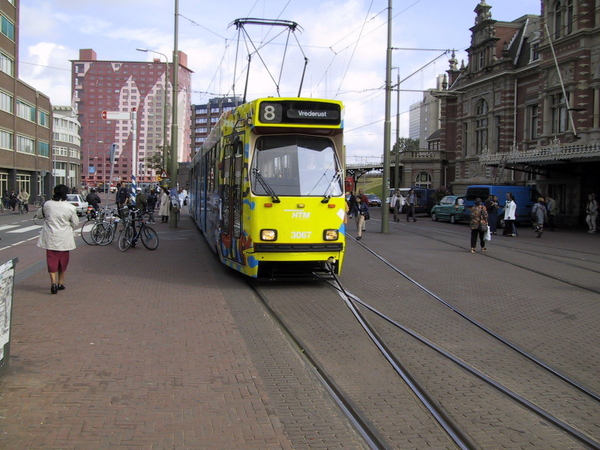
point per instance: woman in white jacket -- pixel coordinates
(57, 237)
(510, 215)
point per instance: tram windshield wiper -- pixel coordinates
(266, 186)
(335, 181)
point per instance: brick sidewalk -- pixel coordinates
(139, 352)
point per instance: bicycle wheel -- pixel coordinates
(86, 232)
(125, 238)
(101, 233)
(149, 237)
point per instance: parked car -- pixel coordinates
(450, 207)
(373, 200)
(80, 204)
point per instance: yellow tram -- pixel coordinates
(266, 189)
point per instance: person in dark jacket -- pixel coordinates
(152, 200)
(93, 199)
(478, 225)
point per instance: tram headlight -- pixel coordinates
(268, 235)
(331, 235)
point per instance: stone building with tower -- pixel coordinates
(525, 108)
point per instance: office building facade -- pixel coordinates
(25, 117)
(206, 115)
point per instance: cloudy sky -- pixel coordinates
(344, 42)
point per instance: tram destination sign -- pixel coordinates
(299, 112)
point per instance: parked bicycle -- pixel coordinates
(102, 229)
(130, 234)
(40, 200)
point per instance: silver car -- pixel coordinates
(80, 204)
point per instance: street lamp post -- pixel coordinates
(165, 103)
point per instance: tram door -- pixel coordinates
(231, 225)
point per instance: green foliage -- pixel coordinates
(155, 161)
(406, 145)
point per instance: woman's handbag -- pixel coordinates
(367, 216)
(483, 227)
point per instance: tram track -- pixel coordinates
(454, 431)
(461, 434)
(534, 254)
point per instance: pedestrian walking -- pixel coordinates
(510, 215)
(539, 216)
(552, 209)
(411, 200)
(57, 236)
(492, 206)
(396, 203)
(591, 211)
(152, 200)
(141, 200)
(478, 225)
(361, 214)
(163, 210)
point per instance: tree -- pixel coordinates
(406, 145)
(155, 161)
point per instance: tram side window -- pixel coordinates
(296, 165)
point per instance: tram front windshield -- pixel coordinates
(296, 166)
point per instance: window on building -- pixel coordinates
(6, 140)
(7, 64)
(25, 111)
(25, 145)
(533, 122)
(559, 113)
(423, 180)
(535, 51)
(8, 28)
(557, 20)
(6, 102)
(569, 17)
(23, 183)
(43, 149)
(481, 126)
(43, 118)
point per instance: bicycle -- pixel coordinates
(103, 233)
(129, 235)
(92, 231)
(39, 201)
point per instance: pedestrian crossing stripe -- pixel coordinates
(25, 230)
(7, 227)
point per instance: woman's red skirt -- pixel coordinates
(57, 260)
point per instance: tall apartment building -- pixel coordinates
(414, 121)
(206, 115)
(66, 147)
(122, 102)
(25, 117)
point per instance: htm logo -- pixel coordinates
(300, 215)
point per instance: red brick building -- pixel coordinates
(138, 90)
(525, 107)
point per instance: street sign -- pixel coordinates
(116, 115)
